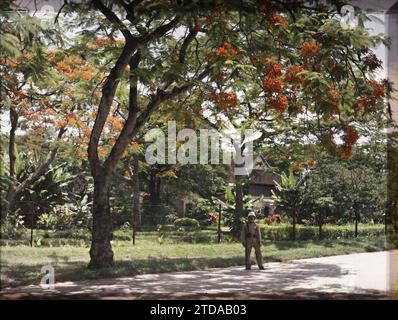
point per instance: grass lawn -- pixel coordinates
(21, 265)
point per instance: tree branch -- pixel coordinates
(126, 133)
(187, 41)
(42, 167)
(113, 18)
(108, 94)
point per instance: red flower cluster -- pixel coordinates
(330, 63)
(299, 166)
(272, 18)
(275, 218)
(311, 163)
(273, 85)
(225, 100)
(277, 19)
(329, 219)
(226, 51)
(372, 62)
(309, 50)
(197, 26)
(334, 98)
(346, 152)
(279, 103)
(368, 100)
(377, 88)
(350, 137)
(292, 77)
(212, 217)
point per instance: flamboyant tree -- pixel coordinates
(43, 90)
(264, 61)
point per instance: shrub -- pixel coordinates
(274, 219)
(12, 227)
(197, 238)
(153, 215)
(201, 210)
(284, 231)
(72, 233)
(212, 217)
(60, 219)
(186, 222)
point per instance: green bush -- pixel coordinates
(153, 215)
(72, 233)
(198, 238)
(12, 227)
(166, 227)
(123, 234)
(284, 231)
(186, 222)
(199, 210)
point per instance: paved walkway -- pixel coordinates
(363, 275)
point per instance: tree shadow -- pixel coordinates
(298, 280)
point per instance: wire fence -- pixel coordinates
(31, 211)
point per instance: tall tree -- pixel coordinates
(268, 59)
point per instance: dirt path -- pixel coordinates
(362, 275)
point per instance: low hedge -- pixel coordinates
(187, 222)
(285, 231)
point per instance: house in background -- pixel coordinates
(261, 183)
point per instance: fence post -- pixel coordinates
(219, 224)
(133, 233)
(31, 229)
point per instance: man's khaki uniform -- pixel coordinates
(251, 237)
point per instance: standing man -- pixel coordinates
(251, 237)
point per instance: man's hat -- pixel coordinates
(251, 214)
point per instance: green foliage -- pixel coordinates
(284, 232)
(81, 207)
(229, 214)
(199, 209)
(198, 238)
(392, 200)
(60, 218)
(187, 222)
(157, 214)
(342, 189)
(12, 227)
(287, 194)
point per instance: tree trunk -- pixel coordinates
(239, 199)
(136, 194)
(356, 224)
(320, 225)
(385, 223)
(219, 224)
(294, 225)
(154, 189)
(157, 192)
(101, 253)
(11, 195)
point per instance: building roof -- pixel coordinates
(393, 9)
